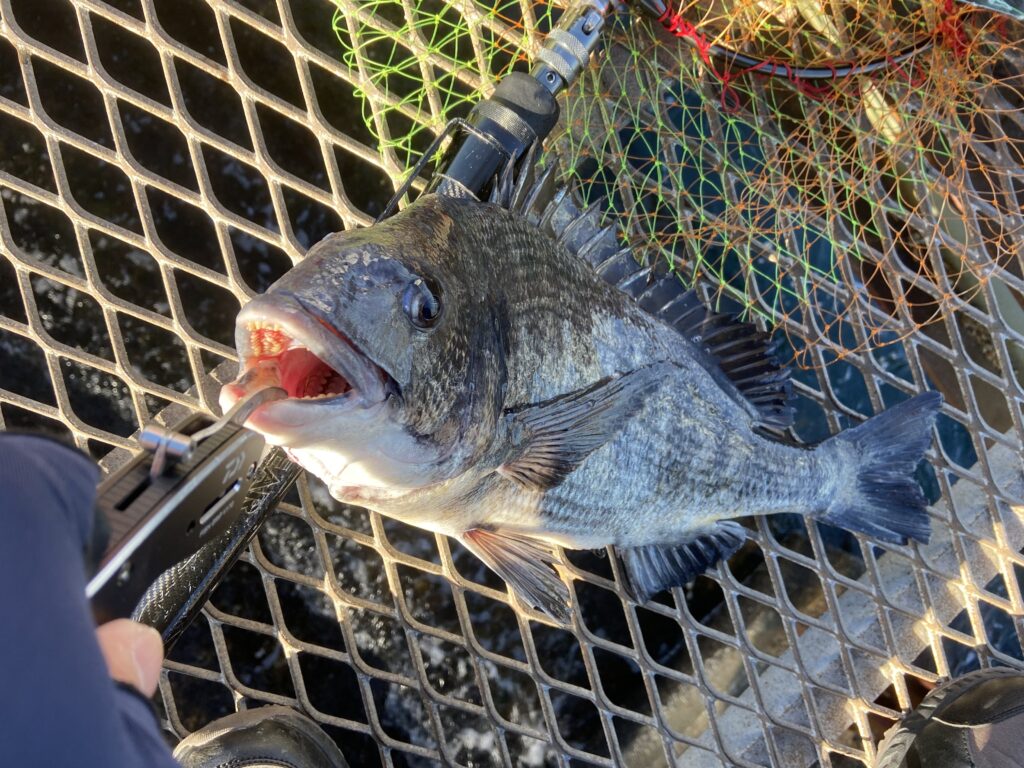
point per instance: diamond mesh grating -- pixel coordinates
(163, 161)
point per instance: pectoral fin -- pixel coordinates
(552, 438)
(527, 566)
(653, 568)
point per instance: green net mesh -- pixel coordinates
(766, 187)
(436, 58)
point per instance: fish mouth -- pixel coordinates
(283, 343)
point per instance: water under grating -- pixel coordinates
(210, 144)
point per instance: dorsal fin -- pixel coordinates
(737, 354)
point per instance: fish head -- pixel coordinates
(390, 349)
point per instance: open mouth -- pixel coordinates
(299, 372)
(282, 344)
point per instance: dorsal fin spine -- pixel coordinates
(725, 346)
(755, 356)
(576, 223)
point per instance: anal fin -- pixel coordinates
(527, 566)
(652, 568)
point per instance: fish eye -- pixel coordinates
(421, 304)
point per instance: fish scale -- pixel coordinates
(697, 477)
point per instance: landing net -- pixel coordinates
(163, 161)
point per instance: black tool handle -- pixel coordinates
(522, 111)
(179, 594)
(519, 114)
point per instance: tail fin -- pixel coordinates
(886, 502)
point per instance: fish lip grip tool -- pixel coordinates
(184, 490)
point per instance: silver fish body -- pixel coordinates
(467, 373)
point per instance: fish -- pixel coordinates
(506, 373)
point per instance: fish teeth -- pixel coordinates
(258, 325)
(268, 339)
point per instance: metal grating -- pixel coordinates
(164, 160)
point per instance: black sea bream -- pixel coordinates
(503, 374)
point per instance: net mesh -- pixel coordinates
(902, 187)
(431, 61)
(764, 187)
(163, 160)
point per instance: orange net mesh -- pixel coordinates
(903, 186)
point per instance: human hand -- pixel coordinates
(133, 652)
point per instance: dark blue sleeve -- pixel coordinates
(58, 705)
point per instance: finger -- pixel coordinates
(133, 652)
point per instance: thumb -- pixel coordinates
(133, 652)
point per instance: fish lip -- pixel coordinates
(304, 325)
